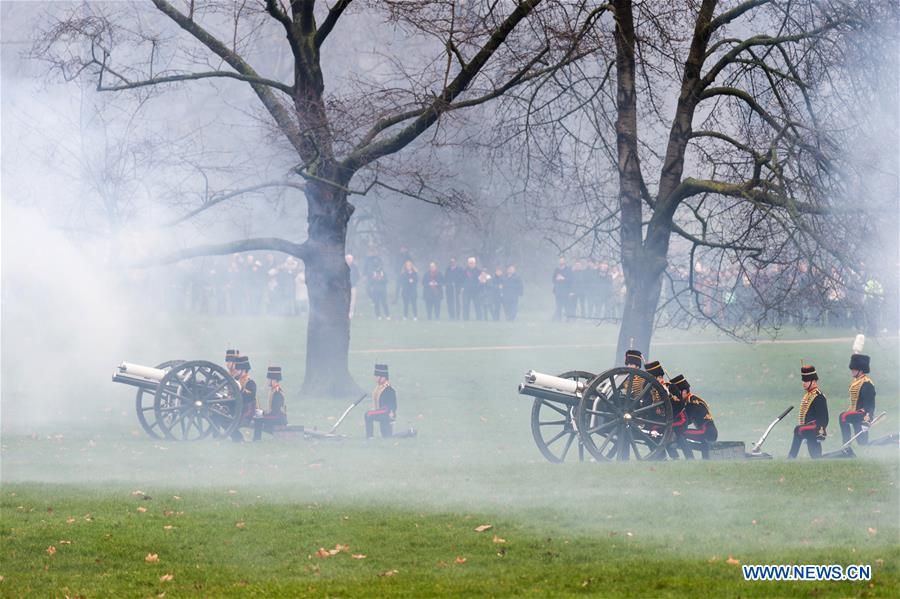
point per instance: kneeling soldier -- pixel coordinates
(248, 392)
(276, 415)
(697, 414)
(384, 404)
(679, 419)
(813, 417)
(862, 401)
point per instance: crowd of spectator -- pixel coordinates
(255, 284)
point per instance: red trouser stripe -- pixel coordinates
(376, 412)
(808, 427)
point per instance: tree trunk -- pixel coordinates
(642, 292)
(328, 284)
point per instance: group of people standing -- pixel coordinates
(469, 291)
(587, 289)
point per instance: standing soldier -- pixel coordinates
(384, 404)
(512, 291)
(862, 401)
(453, 278)
(433, 291)
(813, 417)
(562, 286)
(697, 413)
(276, 415)
(248, 392)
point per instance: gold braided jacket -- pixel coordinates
(807, 400)
(376, 394)
(855, 387)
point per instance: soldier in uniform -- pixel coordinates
(230, 356)
(276, 415)
(698, 415)
(678, 415)
(813, 417)
(862, 401)
(384, 404)
(248, 392)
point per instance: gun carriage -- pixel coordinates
(616, 415)
(183, 400)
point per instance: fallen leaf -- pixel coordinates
(630, 534)
(166, 578)
(322, 552)
(483, 527)
(1, 579)
(781, 480)
(65, 542)
(176, 497)
(51, 550)
(151, 558)
(240, 524)
(168, 513)
(70, 520)
(878, 562)
(498, 539)
(732, 562)
(460, 560)
(137, 493)
(676, 493)
(358, 556)
(850, 489)
(753, 522)
(873, 531)
(344, 548)
(389, 573)
(141, 509)
(168, 527)
(333, 551)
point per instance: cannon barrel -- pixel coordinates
(549, 394)
(145, 377)
(556, 383)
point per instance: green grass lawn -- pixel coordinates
(249, 519)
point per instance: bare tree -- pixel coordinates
(344, 140)
(728, 126)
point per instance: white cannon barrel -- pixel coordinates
(553, 382)
(147, 372)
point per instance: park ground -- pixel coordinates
(91, 507)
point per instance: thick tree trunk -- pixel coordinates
(328, 284)
(642, 292)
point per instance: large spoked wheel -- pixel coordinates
(553, 424)
(625, 413)
(196, 400)
(144, 402)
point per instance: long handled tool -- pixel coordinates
(330, 434)
(844, 450)
(755, 451)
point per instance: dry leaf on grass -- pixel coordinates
(141, 509)
(483, 527)
(2, 579)
(168, 513)
(70, 520)
(358, 556)
(733, 562)
(873, 531)
(151, 558)
(166, 578)
(322, 552)
(676, 493)
(51, 550)
(65, 542)
(498, 539)
(168, 527)
(176, 497)
(137, 493)
(460, 560)
(240, 524)
(389, 573)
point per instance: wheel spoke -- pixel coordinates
(601, 427)
(648, 422)
(566, 448)
(552, 422)
(554, 408)
(556, 437)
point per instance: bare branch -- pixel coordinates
(219, 198)
(299, 250)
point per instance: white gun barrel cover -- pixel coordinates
(146, 372)
(552, 382)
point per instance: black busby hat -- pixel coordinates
(381, 370)
(242, 363)
(654, 368)
(634, 356)
(680, 383)
(808, 373)
(859, 362)
(231, 354)
(274, 373)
